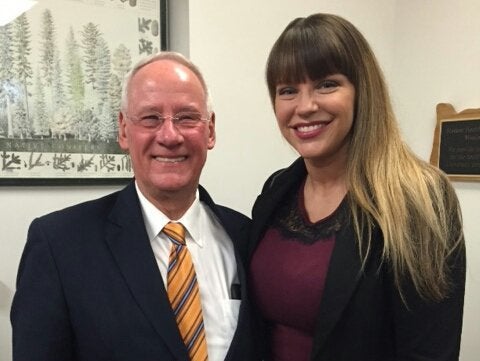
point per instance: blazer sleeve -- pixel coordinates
(428, 330)
(40, 324)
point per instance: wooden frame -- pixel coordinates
(60, 89)
(456, 145)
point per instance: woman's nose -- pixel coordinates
(307, 103)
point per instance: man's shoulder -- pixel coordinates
(232, 214)
(220, 210)
(81, 213)
(228, 217)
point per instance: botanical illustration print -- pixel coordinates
(61, 68)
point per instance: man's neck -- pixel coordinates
(173, 204)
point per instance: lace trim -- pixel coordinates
(290, 220)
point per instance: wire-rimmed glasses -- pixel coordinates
(182, 121)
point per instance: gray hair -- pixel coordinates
(163, 55)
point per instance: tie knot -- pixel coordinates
(175, 231)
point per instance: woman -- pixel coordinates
(357, 249)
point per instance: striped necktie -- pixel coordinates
(183, 293)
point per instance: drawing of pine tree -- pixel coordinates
(7, 94)
(121, 61)
(58, 91)
(103, 73)
(41, 126)
(74, 72)
(23, 72)
(90, 38)
(75, 91)
(47, 57)
(114, 97)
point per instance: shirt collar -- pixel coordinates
(155, 219)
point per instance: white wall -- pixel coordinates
(430, 51)
(437, 60)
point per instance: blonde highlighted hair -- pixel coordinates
(412, 203)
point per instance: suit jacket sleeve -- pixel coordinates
(39, 315)
(428, 330)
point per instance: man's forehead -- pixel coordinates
(165, 81)
(182, 74)
(166, 71)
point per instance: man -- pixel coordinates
(93, 282)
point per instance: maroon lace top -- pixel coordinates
(288, 273)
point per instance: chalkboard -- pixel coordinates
(456, 146)
(460, 147)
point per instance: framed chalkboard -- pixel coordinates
(456, 146)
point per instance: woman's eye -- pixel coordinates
(286, 91)
(327, 86)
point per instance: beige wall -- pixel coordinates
(430, 51)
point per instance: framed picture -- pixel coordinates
(61, 68)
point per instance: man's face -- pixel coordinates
(167, 161)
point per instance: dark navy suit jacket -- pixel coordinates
(88, 287)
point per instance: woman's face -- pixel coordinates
(316, 116)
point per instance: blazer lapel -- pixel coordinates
(343, 275)
(268, 201)
(128, 241)
(260, 221)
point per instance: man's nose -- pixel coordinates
(168, 134)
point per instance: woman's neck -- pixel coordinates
(325, 188)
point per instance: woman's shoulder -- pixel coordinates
(294, 171)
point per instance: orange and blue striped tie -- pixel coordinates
(183, 293)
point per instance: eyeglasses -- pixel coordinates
(181, 121)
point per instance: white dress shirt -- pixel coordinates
(214, 261)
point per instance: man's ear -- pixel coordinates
(211, 131)
(122, 134)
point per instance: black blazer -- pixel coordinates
(88, 287)
(362, 316)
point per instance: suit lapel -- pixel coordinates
(260, 221)
(268, 201)
(128, 241)
(343, 275)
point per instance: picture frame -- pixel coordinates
(61, 68)
(456, 143)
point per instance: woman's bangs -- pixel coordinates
(321, 60)
(304, 60)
